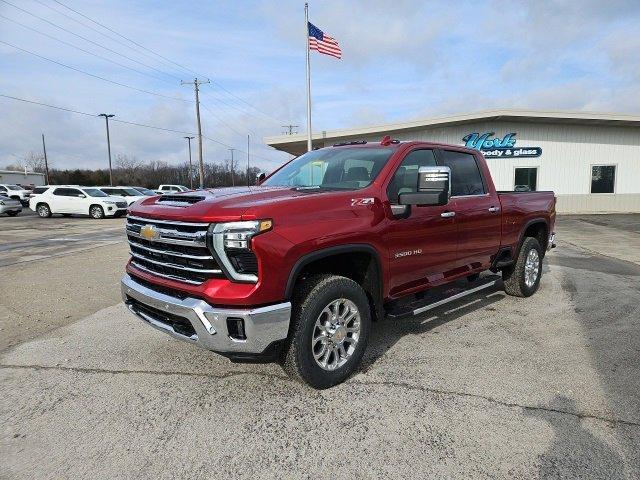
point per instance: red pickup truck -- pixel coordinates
(296, 269)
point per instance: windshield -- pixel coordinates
(146, 191)
(332, 168)
(94, 192)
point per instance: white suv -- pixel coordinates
(162, 189)
(75, 200)
(130, 194)
(16, 192)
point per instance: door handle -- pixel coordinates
(494, 209)
(448, 214)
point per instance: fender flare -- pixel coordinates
(336, 250)
(524, 229)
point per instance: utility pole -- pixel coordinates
(290, 128)
(190, 164)
(106, 119)
(46, 164)
(196, 83)
(233, 180)
(248, 141)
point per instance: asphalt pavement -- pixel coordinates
(489, 387)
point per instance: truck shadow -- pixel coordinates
(386, 333)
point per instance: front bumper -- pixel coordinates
(263, 325)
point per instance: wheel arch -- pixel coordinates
(537, 228)
(344, 260)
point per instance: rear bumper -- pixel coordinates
(208, 324)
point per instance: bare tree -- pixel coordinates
(34, 162)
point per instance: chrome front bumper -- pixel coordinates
(262, 326)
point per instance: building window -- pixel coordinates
(603, 178)
(526, 179)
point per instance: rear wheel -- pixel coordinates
(43, 210)
(522, 279)
(330, 326)
(96, 212)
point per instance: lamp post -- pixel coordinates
(106, 119)
(190, 164)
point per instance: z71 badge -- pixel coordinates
(362, 201)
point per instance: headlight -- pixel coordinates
(232, 244)
(239, 234)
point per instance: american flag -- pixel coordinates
(323, 43)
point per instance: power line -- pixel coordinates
(164, 58)
(93, 75)
(154, 127)
(110, 37)
(87, 39)
(126, 38)
(86, 51)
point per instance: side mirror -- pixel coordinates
(434, 187)
(260, 178)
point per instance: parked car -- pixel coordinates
(146, 192)
(75, 200)
(10, 206)
(297, 268)
(162, 189)
(16, 192)
(130, 194)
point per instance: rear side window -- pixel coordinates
(465, 174)
(66, 192)
(39, 190)
(405, 180)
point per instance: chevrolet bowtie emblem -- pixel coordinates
(149, 232)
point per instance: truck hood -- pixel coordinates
(219, 205)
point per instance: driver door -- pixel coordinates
(422, 241)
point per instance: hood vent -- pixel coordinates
(179, 200)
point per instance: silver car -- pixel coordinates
(10, 206)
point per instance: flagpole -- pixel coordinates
(306, 31)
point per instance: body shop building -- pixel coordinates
(590, 160)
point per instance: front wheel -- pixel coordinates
(522, 279)
(96, 212)
(329, 331)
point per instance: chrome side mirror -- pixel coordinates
(260, 178)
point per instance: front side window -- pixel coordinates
(94, 192)
(342, 168)
(405, 180)
(603, 178)
(465, 175)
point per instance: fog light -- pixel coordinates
(235, 327)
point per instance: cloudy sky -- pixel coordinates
(402, 60)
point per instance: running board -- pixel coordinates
(437, 298)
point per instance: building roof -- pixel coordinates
(21, 172)
(297, 143)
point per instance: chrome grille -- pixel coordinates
(173, 250)
(121, 204)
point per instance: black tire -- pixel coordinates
(43, 210)
(12, 214)
(96, 212)
(311, 298)
(515, 276)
